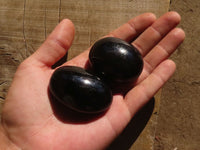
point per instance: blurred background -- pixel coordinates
(171, 120)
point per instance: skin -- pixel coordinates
(28, 118)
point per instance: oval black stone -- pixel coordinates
(79, 90)
(115, 60)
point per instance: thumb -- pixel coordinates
(57, 44)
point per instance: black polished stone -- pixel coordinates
(115, 60)
(79, 90)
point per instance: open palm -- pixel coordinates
(29, 117)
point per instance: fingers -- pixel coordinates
(152, 32)
(140, 95)
(133, 27)
(162, 51)
(56, 45)
(127, 32)
(147, 40)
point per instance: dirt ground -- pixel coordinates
(178, 125)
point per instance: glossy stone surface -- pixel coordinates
(115, 60)
(80, 90)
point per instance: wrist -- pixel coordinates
(5, 142)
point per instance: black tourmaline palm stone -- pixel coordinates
(79, 90)
(115, 60)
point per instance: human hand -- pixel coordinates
(28, 118)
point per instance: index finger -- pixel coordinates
(127, 32)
